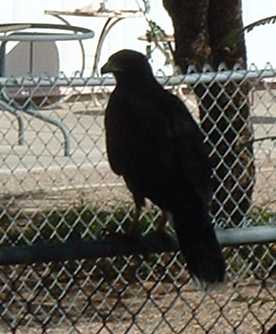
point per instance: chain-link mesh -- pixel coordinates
(56, 186)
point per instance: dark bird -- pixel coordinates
(272, 330)
(156, 146)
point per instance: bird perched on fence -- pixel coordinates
(272, 330)
(156, 146)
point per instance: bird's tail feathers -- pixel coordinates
(199, 245)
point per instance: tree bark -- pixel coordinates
(208, 31)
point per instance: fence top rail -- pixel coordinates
(151, 243)
(190, 78)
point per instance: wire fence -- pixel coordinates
(65, 265)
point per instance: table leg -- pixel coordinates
(109, 24)
(4, 99)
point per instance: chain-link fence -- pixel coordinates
(59, 199)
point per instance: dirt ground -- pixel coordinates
(153, 307)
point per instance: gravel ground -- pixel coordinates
(152, 307)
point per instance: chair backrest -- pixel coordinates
(34, 58)
(31, 58)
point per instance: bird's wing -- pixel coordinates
(135, 128)
(116, 133)
(191, 152)
(159, 128)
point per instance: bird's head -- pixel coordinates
(128, 65)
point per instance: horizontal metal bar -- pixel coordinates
(110, 81)
(28, 82)
(125, 246)
(43, 37)
(14, 27)
(79, 249)
(247, 235)
(76, 33)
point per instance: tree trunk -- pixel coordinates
(206, 31)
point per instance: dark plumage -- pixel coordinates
(154, 143)
(272, 330)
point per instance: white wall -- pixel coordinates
(261, 42)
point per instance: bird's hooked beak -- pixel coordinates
(109, 67)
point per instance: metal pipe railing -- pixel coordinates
(151, 243)
(190, 78)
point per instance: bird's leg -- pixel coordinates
(133, 229)
(161, 222)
